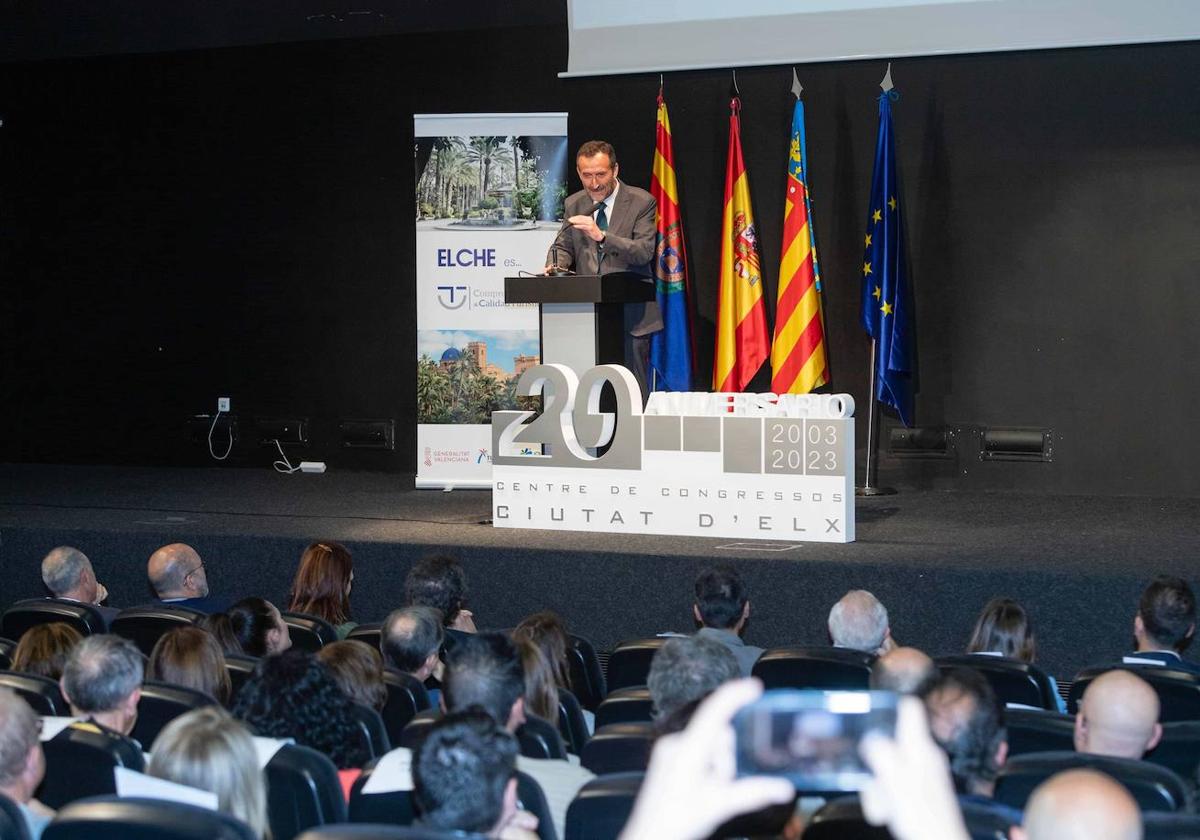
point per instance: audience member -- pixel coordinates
(687, 669)
(1164, 625)
(464, 777)
(357, 668)
(102, 682)
(22, 764)
(860, 622)
(209, 750)
(722, 609)
(69, 576)
(44, 648)
(259, 627)
(1080, 805)
(190, 657)
(967, 721)
(219, 625)
(547, 630)
(441, 583)
(411, 642)
(541, 692)
(905, 670)
(178, 578)
(292, 696)
(1118, 716)
(1003, 629)
(322, 585)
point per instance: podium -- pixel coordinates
(582, 316)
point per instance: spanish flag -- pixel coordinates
(798, 353)
(742, 338)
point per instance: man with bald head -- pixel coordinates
(1080, 805)
(904, 670)
(860, 622)
(1118, 716)
(179, 579)
(69, 576)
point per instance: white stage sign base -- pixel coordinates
(743, 466)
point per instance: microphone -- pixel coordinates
(558, 271)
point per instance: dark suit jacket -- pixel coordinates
(628, 245)
(1166, 658)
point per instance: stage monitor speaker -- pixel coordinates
(921, 442)
(289, 431)
(1012, 444)
(368, 434)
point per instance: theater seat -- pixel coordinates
(814, 667)
(25, 614)
(12, 821)
(161, 703)
(1179, 749)
(1012, 680)
(309, 632)
(145, 625)
(42, 693)
(842, 819)
(80, 762)
(7, 646)
(370, 724)
(602, 807)
(1178, 691)
(1155, 788)
(584, 672)
(113, 818)
(572, 725)
(1161, 825)
(537, 738)
(630, 663)
(369, 634)
(240, 669)
(385, 832)
(303, 791)
(414, 731)
(625, 705)
(1037, 730)
(406, 697)
(619, 748)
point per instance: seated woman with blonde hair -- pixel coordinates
(209, 750)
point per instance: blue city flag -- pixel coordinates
(886, 301)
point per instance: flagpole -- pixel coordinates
(868, 487)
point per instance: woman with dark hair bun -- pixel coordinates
(322, 585)
(259, 628)
(190, 657)
(1003, 629)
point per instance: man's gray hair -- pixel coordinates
(101, 673)
(409, 635)
(62, 569)
(687, 669)
(858, 621)
(18, 733)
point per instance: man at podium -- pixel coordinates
(609, 226)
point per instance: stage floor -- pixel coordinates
(1077, 563)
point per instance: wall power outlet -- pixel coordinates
(222, 403)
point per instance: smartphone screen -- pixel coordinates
(811, 737)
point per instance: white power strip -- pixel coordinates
(312, 466)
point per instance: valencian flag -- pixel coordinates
(670, 347)
(798, 353)
(886, 303)
(742, 338)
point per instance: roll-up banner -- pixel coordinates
(490, 190)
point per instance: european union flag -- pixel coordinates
(886, 302)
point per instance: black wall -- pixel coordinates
(182, 226)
